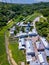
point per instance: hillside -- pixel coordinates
(8, 11)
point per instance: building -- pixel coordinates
(32, 34)
(46, 44)
(40, 46)
(21, 35)
(44, 41)
(22, 40)
(47, 52)
(29, 48)
(12, 30)
(21, 44)
(28, 58)
(34, 31)
(42, 58)
(34, 63)
(18, 23)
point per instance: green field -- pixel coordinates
(3, 57)
(18, 55)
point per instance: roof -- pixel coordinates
(21, 35)
(22, 40)
(13, 28)
(47, 52)
(11, 32)
(20, 46)
(24, 25)
(34, 31)
(28, 58)
(32, 34)
(40, 58)
(29, 46)
(44, 57)
(44, 41)
(27, 43)
(34, 63)
(39, 45)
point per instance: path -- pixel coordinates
(37, 19)
(8, 51)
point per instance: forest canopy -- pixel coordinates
(9, 11)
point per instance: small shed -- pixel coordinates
(11, 32)
(20, 46)
(13, 28)
(47, 52)
(22, 40)
(41, 59)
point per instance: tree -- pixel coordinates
(15, 32)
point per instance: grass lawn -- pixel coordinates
(17, 54)
(3, 57)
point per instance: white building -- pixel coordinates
(40, 46)
(21, 44)
(34, 63)
(21, 34)
(34, 31)
(22, 40)
(29, 48)
(28, 58)
(12, 30)
(41, 59)
(44, 41)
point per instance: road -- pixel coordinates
(35, 20)
(7, 50)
